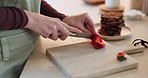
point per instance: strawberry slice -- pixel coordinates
(97, 41)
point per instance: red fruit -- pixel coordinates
(120, 54)
(97, 42)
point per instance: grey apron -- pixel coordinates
(16, 45)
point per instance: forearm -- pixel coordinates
(47, 10)
(12, 18)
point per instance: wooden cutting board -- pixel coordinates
(81, 60)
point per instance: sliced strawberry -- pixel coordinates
(97, 42)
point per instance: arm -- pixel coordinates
(12, 18)
(15, 18)
(82, 22)
(48, 10)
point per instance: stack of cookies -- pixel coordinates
(111, 23)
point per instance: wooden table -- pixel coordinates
(40, 66)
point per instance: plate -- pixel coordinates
(125, 33)
(94, 1)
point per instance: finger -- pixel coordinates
(85, 30)
(54, 33)
(63, 37)
(72, 29)
(88, 23)
(91, 28)
(64, 33)
(45, 33)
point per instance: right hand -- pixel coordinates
(46, 26)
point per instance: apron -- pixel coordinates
(16, 45)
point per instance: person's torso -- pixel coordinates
(23, 36)
(30, 5)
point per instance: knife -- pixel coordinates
(79, 35)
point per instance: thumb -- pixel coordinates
(72, 29)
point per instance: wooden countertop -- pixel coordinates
(40, 66)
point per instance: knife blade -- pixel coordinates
(79, 35)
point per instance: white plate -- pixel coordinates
(125, 33)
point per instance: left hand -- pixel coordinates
(82, 22)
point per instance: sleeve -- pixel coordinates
(12, 18)
(48, 10)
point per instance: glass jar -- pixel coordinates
(112, 3)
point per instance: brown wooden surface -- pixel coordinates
(94, 1)
(81, 60)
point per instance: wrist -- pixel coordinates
(65, 19)
(30, 20)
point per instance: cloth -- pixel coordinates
(12, 18)
(47, 10)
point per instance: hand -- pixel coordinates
(46, 26)
(83, 22)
